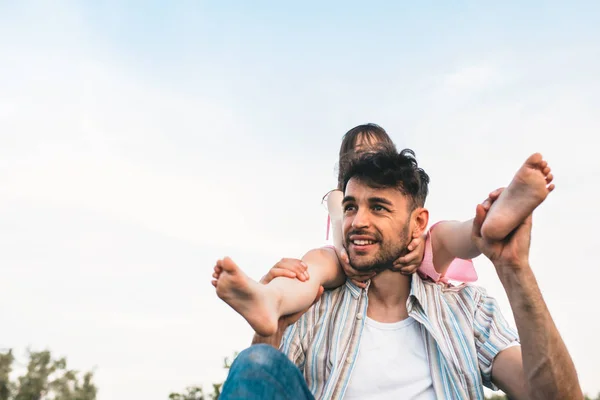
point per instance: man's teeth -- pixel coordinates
(362, 242)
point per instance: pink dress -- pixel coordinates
(459, 270)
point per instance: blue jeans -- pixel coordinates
(263, 372)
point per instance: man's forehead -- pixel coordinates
(357, 190)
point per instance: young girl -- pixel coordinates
(444, 255)
(358, 140)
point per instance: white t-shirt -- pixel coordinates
(391, 363)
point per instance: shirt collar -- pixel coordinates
(418, 294)
(417, 290)
(355, 290)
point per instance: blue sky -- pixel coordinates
(141, 142)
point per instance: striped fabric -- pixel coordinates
(463, 330)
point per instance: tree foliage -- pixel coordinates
(44, 378)
(197, 393)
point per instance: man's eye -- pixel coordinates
(348, 208)
(378, 208)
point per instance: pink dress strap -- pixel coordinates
(328, 226)
(459, 269)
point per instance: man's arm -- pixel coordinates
(508, 374)
(545, 368)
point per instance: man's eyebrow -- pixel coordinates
(380, 200)
(348, 199)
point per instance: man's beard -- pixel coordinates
(388, 252)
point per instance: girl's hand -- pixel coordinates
(357, 277)
(409, 263)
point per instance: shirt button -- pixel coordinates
(349, 360)
(359, 316)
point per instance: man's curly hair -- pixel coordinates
(384, 167)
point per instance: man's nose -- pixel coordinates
(361, 219)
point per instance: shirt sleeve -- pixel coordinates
(492, 335)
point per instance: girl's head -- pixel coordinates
(360, 139)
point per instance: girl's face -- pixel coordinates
(364, 143)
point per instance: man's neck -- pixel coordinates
(388, 293)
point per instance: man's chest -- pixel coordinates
(341, 350)
(392, 363)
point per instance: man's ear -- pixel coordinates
(420, 219)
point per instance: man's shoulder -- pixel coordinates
(333, 297)
(332, 302)
(465, 292)
(465, 288)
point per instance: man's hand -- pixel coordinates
(512, 252)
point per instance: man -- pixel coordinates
(402, 337)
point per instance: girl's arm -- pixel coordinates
(320, 265)
(323, 265)
(450, 248)
(450, 240)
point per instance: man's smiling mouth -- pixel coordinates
(361, 242)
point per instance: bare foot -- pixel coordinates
(528, 189)
(249, 298)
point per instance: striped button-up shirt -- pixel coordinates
(463, 330)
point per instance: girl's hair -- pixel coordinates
(371, 132)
